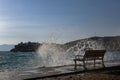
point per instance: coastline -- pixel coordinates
(108, 73)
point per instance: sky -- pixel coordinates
(57, 20)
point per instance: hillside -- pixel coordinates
(108, 43)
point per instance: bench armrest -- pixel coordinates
(79, 56)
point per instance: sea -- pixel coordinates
(11, 61)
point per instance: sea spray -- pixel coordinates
(81, 46)
(52, 54)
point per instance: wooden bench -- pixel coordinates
(90, 55)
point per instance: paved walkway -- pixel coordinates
(46, 72)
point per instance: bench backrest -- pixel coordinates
(94, 53)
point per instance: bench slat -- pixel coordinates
(94, 53)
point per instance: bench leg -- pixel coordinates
(75, 65)
(84, 65)
(103, 63)
(94, 63)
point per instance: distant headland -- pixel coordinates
(109, 43)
